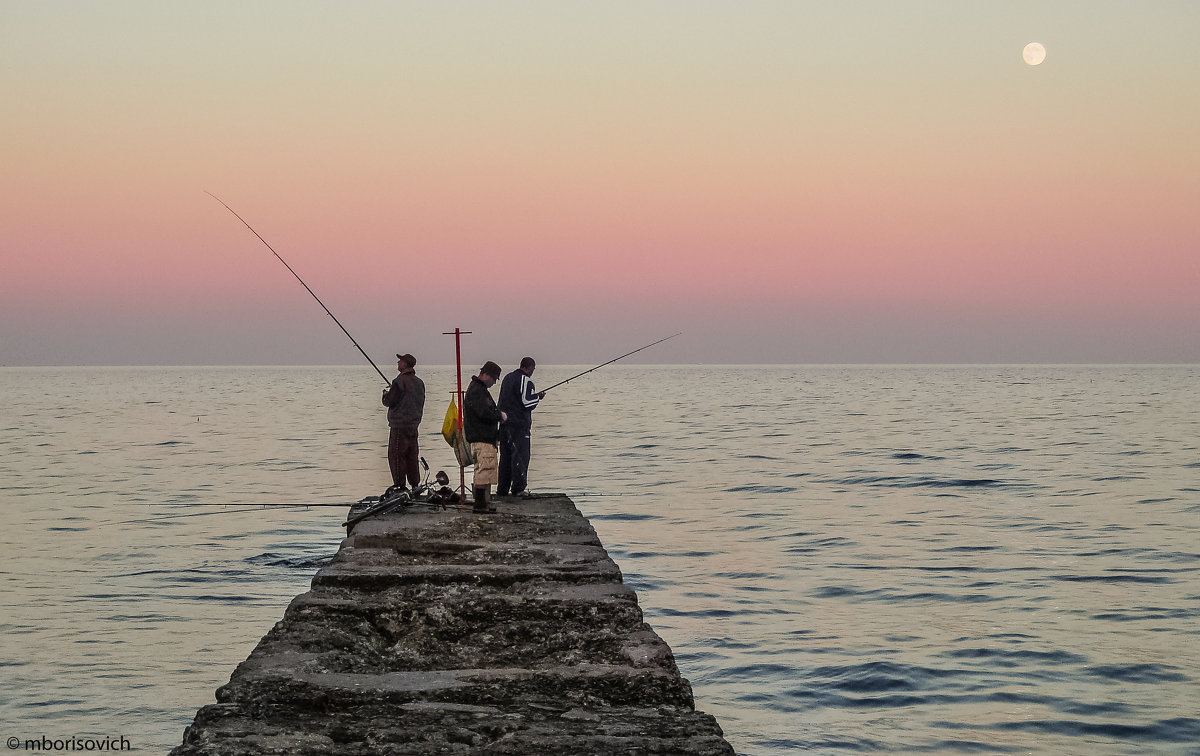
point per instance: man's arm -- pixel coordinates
(392, 394)
(529, 395)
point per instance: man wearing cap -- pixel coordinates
(405, 400)
(518, 397)
(481, 427)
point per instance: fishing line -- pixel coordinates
(614, 359)
(301, 280)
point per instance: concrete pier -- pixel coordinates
(451, 632)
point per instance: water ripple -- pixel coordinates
(919, 559)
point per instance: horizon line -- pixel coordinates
(634, 364)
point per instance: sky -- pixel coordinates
(870, 181)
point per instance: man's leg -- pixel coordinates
(395, 458)
(504, 478)
(485, 475)
(411, 454)
(520, 473)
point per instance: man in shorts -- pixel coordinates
(481, 427)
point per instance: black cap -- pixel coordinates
(407, 359)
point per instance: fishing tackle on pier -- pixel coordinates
(437, 493)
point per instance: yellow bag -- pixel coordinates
(450, 424)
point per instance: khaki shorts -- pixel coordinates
(486, 463)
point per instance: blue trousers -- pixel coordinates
(514, 459)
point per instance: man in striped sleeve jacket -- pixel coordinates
(518, 397)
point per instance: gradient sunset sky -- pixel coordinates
(784, 182)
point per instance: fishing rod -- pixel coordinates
(306, 504)
(301, 280)
(230, 509)
(614, 359)
(165, 518)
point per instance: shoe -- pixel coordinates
(487, 510)
(527, 495)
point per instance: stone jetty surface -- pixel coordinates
(443, 631)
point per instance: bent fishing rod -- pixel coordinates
(301, 280)
(614, 359)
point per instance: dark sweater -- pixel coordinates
(481, 418)
(405, 400)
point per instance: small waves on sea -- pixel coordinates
(956, 649)
(843, 559)
(142, 566)
(917, 560)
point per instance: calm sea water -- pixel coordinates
(844, 559)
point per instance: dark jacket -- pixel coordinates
(518, 397)
(405, 400)
(481, 418)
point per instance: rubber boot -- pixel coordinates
(483, 504)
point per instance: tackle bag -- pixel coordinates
(453, 433)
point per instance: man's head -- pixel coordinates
(527, 365)
(406, 361)
(489, 373)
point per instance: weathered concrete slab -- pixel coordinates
(451, 632)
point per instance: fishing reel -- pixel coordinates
(394, 493)
(437, 493)
(443, 495)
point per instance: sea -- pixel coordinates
(844, 559)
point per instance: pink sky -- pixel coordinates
(874, 182)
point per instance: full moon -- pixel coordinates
(1034, 53)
